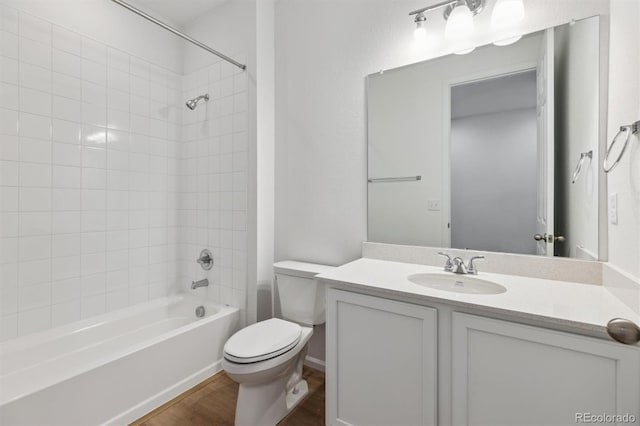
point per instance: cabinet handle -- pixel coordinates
(624, 331)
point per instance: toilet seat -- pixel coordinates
(262, 341)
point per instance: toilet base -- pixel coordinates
(266, 405)
(270, 389)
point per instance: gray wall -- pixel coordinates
(493, 182)
(493, 164)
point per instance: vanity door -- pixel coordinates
(381, 361)
(510, 374)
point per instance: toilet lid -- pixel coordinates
(262, 340)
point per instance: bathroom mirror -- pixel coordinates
(496, 150)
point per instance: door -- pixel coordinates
(381, 361)
(545, 160)
(538, 376)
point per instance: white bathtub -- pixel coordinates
(114, 368)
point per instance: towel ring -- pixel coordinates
(583, 157)
(629, 130)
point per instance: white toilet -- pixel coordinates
(266, 358)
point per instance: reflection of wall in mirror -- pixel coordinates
(576, 131)
(406, 136)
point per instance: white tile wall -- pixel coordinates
(89, 143)
(212, 196)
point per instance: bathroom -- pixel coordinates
(159, 201)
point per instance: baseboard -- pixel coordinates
(315, 363)
(166, 395)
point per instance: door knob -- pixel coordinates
(549, 238)
(624, 331)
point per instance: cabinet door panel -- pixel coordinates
(511, 374)
(381, 361)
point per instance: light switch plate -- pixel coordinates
(433, 205)
(613, 209)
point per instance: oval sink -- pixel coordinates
(457, 283)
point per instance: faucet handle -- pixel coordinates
(471, 268)
(205, 260)
(448, 266)
(458, 266)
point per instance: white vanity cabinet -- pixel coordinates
(382, 369)
(381, 361)
(505, 373)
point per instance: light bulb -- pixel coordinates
(459, 23)
(465, 51)
(507, 41)
(507, 13)
(420, 33)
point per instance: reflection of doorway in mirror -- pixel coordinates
(493, 164)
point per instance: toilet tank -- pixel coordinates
(302, 299)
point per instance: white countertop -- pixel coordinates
(560, 304)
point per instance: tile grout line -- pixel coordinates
(19, 237)
(51, 183)
(106, 177)
(81, 137)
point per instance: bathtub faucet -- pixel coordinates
(200, 283)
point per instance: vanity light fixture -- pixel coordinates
(420, 33)
(465, 51)
(507, 14)
(507, 41)
(459, 22)
(458, 14)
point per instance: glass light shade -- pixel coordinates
(507, 13)
(460, 23)
(465, 51)
(507, 41)
(420, 33)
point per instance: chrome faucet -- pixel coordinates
(457, 266)
(200, 283)
(471, 267)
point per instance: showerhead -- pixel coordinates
(193, 103)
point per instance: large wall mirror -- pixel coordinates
(495, 150)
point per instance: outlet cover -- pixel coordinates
(433, 205)
(613, 209)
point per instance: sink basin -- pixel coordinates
(457, 283)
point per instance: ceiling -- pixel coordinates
(178, 12)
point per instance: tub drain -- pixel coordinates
(200, 311)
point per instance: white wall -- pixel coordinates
(624, 108)
(88, 146)
(321, 62)
(577, 130)
(217, 138)
(493, 181)
(228, 28)
(265, 156)
(110, 24)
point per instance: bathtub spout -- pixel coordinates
(200, 283)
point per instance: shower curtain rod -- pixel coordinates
(178, 33)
